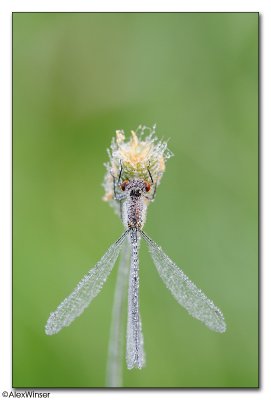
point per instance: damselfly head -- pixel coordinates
(135, 187)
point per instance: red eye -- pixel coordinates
(124, 184)
(147, 186)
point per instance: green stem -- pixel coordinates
(115, 349)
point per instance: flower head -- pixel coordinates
(135, 157)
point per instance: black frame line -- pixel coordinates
(183, 389)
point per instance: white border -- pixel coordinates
(6, 9)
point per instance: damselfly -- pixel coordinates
(133, 174)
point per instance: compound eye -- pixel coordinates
(124, 184)
(147, 186)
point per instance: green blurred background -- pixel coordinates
(76, 79)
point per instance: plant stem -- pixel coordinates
(115, 349)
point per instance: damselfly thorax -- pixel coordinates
(134, 202)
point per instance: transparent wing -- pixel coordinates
(85, 291)
(185, 292)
